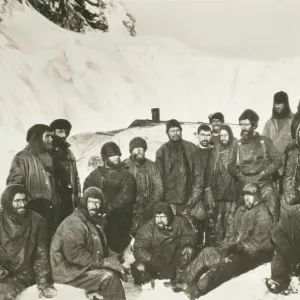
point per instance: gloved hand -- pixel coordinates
(48, 292)
(191, 202)
(209, 198)
(3, 272)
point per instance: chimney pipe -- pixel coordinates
(155, 114)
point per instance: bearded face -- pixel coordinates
(138, 154)
(279, 108)
(204, 138)
(47, 140)
(161, 220)
(19, 205)
(114, 161)
(175, 134)
(224, 137)
(93, 206)
(215, 124)
(62, 133)
(247, 129)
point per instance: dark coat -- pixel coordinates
(205, 158)
(151, 241)
(153, 179)
(77, 247)
(249, 158)
(195, 183)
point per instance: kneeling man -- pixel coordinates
(163, 247)
(79, 253)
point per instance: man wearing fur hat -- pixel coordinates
(180, 167)
(256, 159)
(79, 252)
(247, 244)
(24, 250)
(163, 246)
(148, 179)
(33, 168)
(69, 188)
(216, 120)
(119, 188)
(278, 128)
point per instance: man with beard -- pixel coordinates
(205, 150)
(119, 188)
(247, 245)
(163, 247)
(216, 120)
(286, 260)
(222, 183)
(256, 159)
(33, 168)
(24, 255)
(69, 188)
(148, 179)
(79, 253)
(180, 167)
(278, 129)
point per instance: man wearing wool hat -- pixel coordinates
(180, 167)
(148, 180)
(34, 168)
(69, 188)
(119, 188)
(278, 127)
(79, 252)
(255, 159)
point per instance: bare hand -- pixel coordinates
(49, 292)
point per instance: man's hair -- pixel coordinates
(204, 127)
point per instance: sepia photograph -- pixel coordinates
(150, 149)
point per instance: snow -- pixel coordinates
(103, 82)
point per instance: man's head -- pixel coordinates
(40, 137)
(251, 194)
(93, 202)
(248, 122)
(14, 201)
(226, 135)
(163, 215)
(204, 135)
(61, 128)
(111, 155)
(137, 148)
(174, 130)
(281, 107)
(216, 120)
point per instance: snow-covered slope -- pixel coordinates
(103, 82)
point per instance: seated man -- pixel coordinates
(24, 256)
(286, 239)
(79, 253)
(163, 246)
(247, 244)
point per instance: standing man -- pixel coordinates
(69, 188)
(33, 168)
(24, 250)
(119, 188)
(278, 129)
(180, 167)
(148, 180)
(222, 183)
(216, 120)
(256, 159)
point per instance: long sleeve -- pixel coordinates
(90, 181)
(159, 162)
(288, 179)
(142, 244)
(17, 172)
(232, 167)
(275, 158)
(198, 176)
(265, 131)
(127, 195)
(42, 261)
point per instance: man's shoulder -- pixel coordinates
(24, 153)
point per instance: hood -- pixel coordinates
(254, 189)
(7, 198)
(230, 133)
(165, 208)
(93, 192)
(286, 111)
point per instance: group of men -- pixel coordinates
(200, 214)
